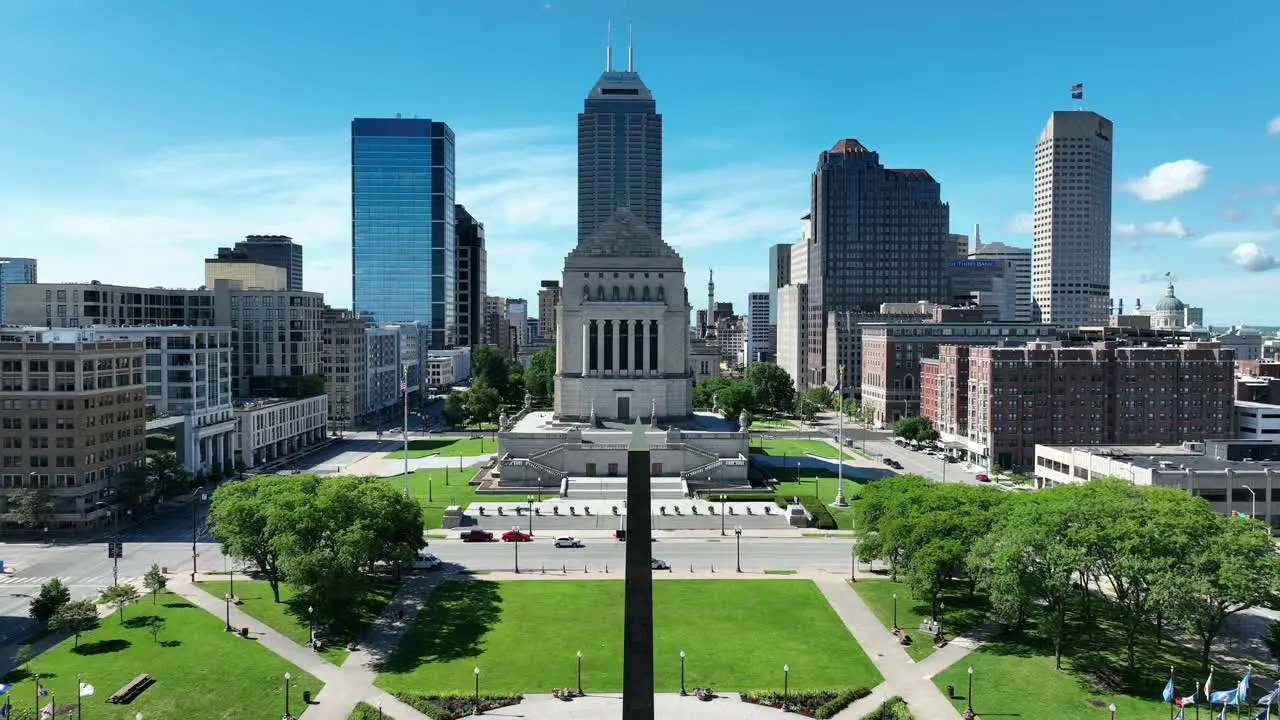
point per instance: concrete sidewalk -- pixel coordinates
(901, 676)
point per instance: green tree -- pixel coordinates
(735, 398)
(540, 376)
(246, 519)
(489, 367)
(809, 402)
(883, 518)
(30, 506)
(75, 617)
(513, 393)
(705, 393)
(155, 624)
(1231, 568)
(771, 386)
(483, 402)
(915, 429)
(166, 474)
(154, 581)
(939, 527)
(118, 596)
(1272, 639)
(1031, 558)
(21, 657)
(53, 595)
(455, 409)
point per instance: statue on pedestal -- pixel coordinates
(593, 413)
(653, 413)
(744, 420)
(502, 421)
(528, 399)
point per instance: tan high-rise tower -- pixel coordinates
(1071, 261)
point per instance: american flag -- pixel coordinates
(404, 387)
(1077, 91)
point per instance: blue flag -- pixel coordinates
(1271, 698)
(1225, 697)
(1167, 695)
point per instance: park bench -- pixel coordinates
(133, 689)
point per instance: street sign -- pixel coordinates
(115, 550)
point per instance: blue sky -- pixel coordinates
(138, 136)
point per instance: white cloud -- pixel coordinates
(1273, 127)
(1276, 211)
(1125, 230)
(1169, 180)
(151, 220)
(1020, 224)
(1134, 232)
(1252, 258)
(1238, 237)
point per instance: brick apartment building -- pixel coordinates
(1258, 381)
(892, 355)
(72, 419)
(995, 404)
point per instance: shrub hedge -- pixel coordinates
(816, 704)
(452, 707)
(736, 497)
(895, 708)
(822, 518)
(363, 711)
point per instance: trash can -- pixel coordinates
(306, 697)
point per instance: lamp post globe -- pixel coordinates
(287, 678)
(786, 684)
(477, 672)
(737, 533)
(682, 690)
(968, 697)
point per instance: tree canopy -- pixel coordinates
(540, 376)
(916, 429)
(771, 386)
(321, 535)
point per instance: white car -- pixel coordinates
(426, 561)
(568, 542)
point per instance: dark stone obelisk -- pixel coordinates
(637, 653)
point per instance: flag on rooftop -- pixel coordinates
(1077, 91)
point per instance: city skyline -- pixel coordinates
(171, 174)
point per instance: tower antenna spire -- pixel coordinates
(608, 48)
(630, 48)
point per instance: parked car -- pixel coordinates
(477, 535)
(568, 542)
(657, 564)
(981, 477)
(426, 561)
(888, 461)
(516, 536)
(893, 463)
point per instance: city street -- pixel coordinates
(817, 554)
(85, 567)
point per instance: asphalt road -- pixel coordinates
(758, 554)
(85, 568)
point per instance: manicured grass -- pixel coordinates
(289, 616)
(200, 670)
(797, 448)
(445, 447)
(524, 635)
(961, 614)
(773, 422)
(821, 483)
(1014, 674)
(449, 486)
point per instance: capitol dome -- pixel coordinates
(1170, 303)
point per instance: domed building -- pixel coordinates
(1170, 313)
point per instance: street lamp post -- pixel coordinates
(737, 533)
(1253, 502)
(580, 673)
(515, 545)
(529, 500)
(1112, 708)
(853, 563)
(941, 611)
(895, 611)
(786, 684)
(477, 672)
(884, 707)
(287, 678)
(682, 692)
(195, 497)
(311, 626)
(379, 710)
(227, 597)
(723, 499)
(968, 697)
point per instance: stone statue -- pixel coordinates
(502, 421)
(715, 402)
(744, 420)
(653, 413)
(593, 412)
(528, 399)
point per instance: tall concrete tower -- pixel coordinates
(619, 150)
(711, 298)
(1071, 258)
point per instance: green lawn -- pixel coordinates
(961, 613)
(822, 484)
(450, 486)
(200, 670)
(524, 636)
(1014, 674)
(773, 422)
(446, 447)
(792, 447)
(289, 616)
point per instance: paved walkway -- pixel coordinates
(353, 681)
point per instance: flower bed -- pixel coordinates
(452, 707)
(817, 704)
(895, 708)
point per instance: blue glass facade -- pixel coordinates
(14, 271)
(403, 247)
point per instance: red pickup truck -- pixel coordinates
(477, 535)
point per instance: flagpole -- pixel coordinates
(1172, 692)
(37, 694)
(79, 697)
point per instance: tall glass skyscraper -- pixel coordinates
(619, 151)
(403, 247)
